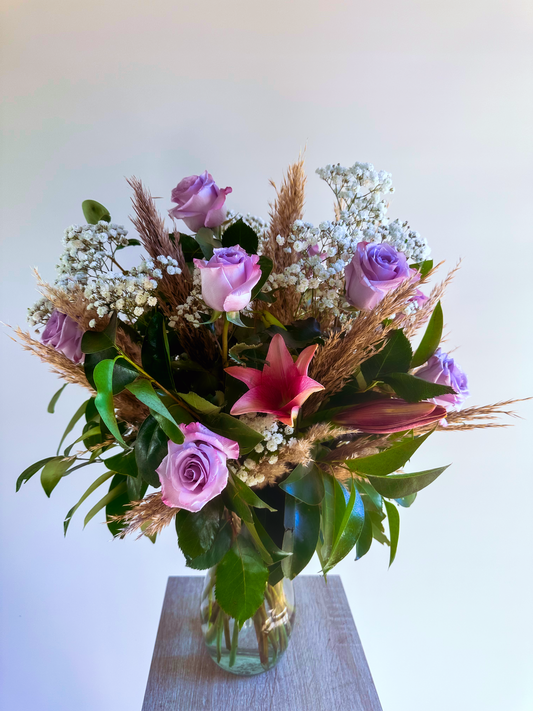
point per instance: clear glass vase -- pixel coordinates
(259, 643)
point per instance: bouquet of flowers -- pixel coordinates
(254, 382)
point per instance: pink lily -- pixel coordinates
(281, 388)
(389, 415)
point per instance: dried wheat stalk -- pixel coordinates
(149, 516)
(344, 351)
(72, 303)
(154, 235)
(287, 208)
(479, 417)
(57, 362)
(414, 321)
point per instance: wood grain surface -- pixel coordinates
(324, 668)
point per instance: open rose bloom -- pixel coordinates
(261, 386)
(228, 278)
(200, 202)
(195, 472)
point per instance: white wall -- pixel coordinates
(439, 93)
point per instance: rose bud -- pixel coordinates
(200, 202)
(195, 472)
(374, 270)
(64, 334)
(389, 415)
(228, 278)
(443, 370)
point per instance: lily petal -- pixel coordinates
(250, 376)
(303, 360)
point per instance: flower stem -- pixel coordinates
(225, 341)
(153, 380)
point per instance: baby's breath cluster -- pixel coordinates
(89, 250)
(89, 260)
(318, 274)
(130, 292)
(361, 192)
(323, 252)
(398, 234)
(194, 307)
(276, 436)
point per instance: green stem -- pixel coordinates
(225, 341)
(153, 380)
(234, 643)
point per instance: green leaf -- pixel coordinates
(236, 503)
(94, 212)
(276, 554)
(197, 530)
(332, 510)
(348, 530)
(96, 341)
(207, 242)
(389, 460)
(431, 339)
(234, 317)
(75, 418)
(90, 436)
(118, 504)
(92, 360)
(215, 315)
(394, 529)
(365, 539)
(239, 233)
(413, 389)
(302, 527)
(234, 429)
(238, 348)
(241, 579)
(53, 402)
(123, 463)
(190, 247)
(364, 487)
(113, 493)
(31, 470)
(171, 430)
(248, 495)
(266, 265)
(124, 373)
(143, 391)
(305, 483)
(155, 352)
(394, 357)
(53, 471)
(199, 404)
(103, 379)
(406, 501)
(396, 486)
(151, 446)
(98, 482)
(423, 267)
(218, 550)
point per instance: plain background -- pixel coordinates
(438, 93)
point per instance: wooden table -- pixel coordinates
(324, 668)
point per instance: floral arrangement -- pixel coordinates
(253, 381)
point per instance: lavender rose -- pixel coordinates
(443, 370)
(228, 278)
(374, 270)
(195, 472)
(64, 334)
(200, 202)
